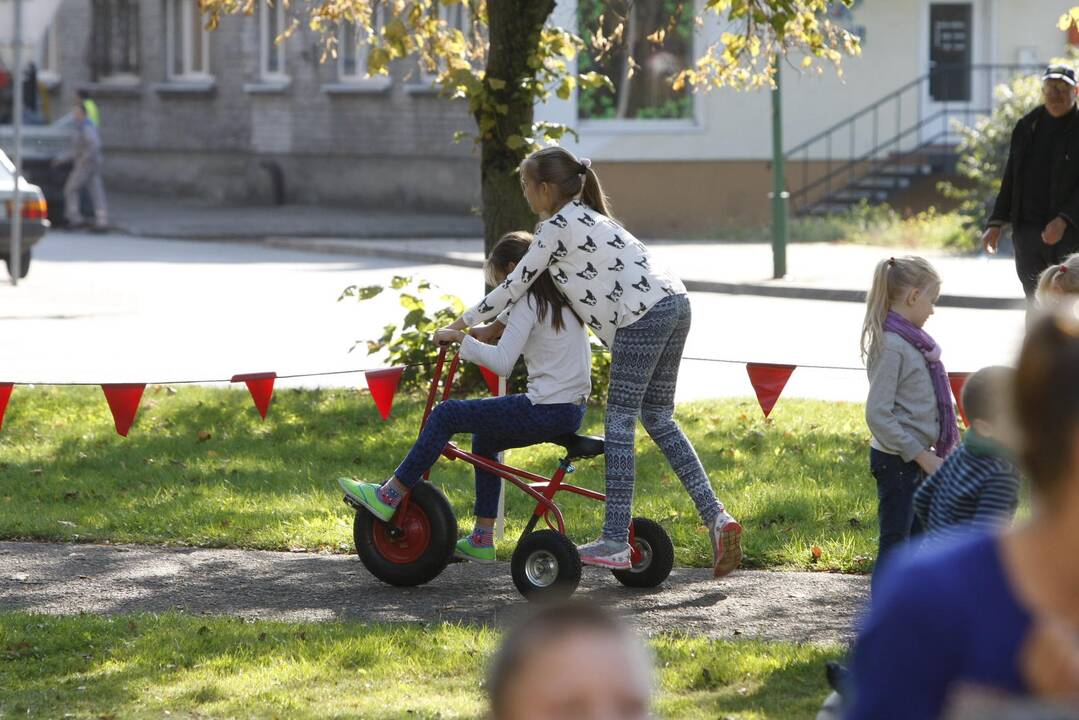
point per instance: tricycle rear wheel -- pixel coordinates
(415, 546)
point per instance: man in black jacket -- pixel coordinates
(1039, 193)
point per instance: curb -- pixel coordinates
(790, 292)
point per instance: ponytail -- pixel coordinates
(592, 195)
(572, 177)
(891, 278)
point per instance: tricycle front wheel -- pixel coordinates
(654, 552)
(415, 546)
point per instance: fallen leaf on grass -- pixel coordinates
(66, 523)
(204, 436)
(71, 494)
(37, 471)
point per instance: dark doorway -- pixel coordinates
(950, 34)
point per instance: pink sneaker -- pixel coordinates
(606, 554)
(726, 544)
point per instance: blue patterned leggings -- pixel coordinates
(497, 424)
(644, 372)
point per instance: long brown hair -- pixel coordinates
(509, 249)
(569, 175)
(1046, 396)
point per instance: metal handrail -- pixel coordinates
(850, 164)
(918, 81)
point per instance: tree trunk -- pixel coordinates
(514, 31)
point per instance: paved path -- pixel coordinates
(68, 578)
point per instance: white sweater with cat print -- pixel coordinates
(607, 274)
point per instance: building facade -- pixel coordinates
(221, 114)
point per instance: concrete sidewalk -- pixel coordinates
(817, 271)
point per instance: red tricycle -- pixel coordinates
(417, 543)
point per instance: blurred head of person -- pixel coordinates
(987, 398)
(1046, 394)
(80, 111)
(570, 662)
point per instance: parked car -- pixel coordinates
(35, 215)
(41, 144)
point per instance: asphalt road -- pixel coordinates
(113, 308)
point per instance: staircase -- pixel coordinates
(887, 146)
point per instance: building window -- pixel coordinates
(187, 41)
(48, 58)
(271, 52)
(352, 51)
(657, 45)
(114, 48)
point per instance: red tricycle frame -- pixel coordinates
(539, 488)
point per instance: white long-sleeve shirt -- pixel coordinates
(559, 362)
(606, 274)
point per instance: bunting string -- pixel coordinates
(768, 381)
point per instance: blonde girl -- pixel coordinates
(909, 409)
(1057, 281)
(637, 309)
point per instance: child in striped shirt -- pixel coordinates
(977, 487)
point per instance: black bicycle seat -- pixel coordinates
(579, 446)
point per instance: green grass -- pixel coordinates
(867, 225)
(797, 482)
(144, 666)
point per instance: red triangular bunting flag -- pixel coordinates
(123, 401)
(957, 380)
(383, 386)
(768, 382)
(491, 378)
(5, 394)
(261, 387)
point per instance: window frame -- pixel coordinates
(268, 45)
(48, 58)
(659, 126)
(424, 79)
(134, 42)
(189, 11)
(359, 79)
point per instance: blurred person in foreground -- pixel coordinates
(993, 619)
(571, 662)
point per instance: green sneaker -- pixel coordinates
(467, 551)
(367, 495)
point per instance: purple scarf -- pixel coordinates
(927, 346)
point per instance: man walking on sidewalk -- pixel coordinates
(85, 171)
(1039, 193)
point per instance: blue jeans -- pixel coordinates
(897, 481)
(496, 424)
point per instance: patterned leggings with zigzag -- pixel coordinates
(644, 372)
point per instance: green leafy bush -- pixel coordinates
(983, 150)
(408, 341)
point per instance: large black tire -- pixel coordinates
(657, 555)
(414, 547)
(546, 566)
(24, 266)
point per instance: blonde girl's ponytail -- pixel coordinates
(1062, 279)
(592, 194)
(891, 279)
